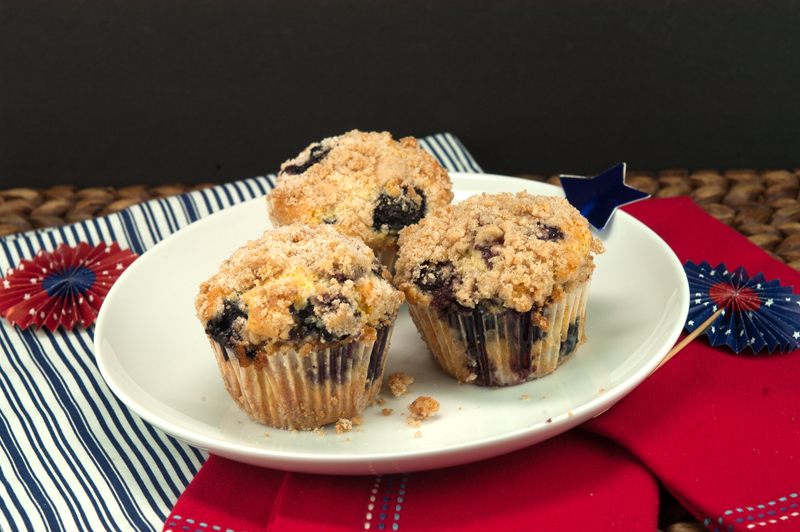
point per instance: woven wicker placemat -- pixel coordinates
(762, 205)
(23, 209)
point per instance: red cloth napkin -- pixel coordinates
(721, 431)
(568, 483)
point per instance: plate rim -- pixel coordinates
(305, 462)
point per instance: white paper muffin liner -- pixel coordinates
(387, 258)
(296, 391)
(504, 349)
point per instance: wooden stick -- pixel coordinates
(683, 343)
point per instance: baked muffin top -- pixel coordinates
(297, 287)
(368, 184)
(506, 250)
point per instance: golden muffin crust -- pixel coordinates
(297, 287)
(366, 183)
(511, 250)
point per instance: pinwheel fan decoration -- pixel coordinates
(63, 287)
(743, 310)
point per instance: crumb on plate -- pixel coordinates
(344, 425)
(423, 407)
(398, 383)
(387, 411)
(413, 422)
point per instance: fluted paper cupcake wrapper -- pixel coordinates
(387, 257)
(307, 391)
(504, 349)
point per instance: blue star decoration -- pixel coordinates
(756, 312)
(598, 197)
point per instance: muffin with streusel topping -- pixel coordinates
(367, 184)
(497, 285)
(300, 322)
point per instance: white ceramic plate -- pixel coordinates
(153, 353)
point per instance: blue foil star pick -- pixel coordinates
(598, 197)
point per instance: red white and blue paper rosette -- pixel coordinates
(756, 313)
(62, 287)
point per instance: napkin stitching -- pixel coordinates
(202, 525)
(385, 505)
(371, 503)
(765, 517)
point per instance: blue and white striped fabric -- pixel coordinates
(73, 456)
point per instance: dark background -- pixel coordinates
(128, 92)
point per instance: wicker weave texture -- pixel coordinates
(23, 209)
(762, 205)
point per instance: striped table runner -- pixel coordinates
(73, 456)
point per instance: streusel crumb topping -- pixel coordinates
(366, 183)
(295, 284)
(509, 250)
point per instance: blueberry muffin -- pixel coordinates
(367, 184)
(497, 285)
(300, 322)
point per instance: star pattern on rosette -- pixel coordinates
(756, 312)
(62, 287)
(597, 198)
